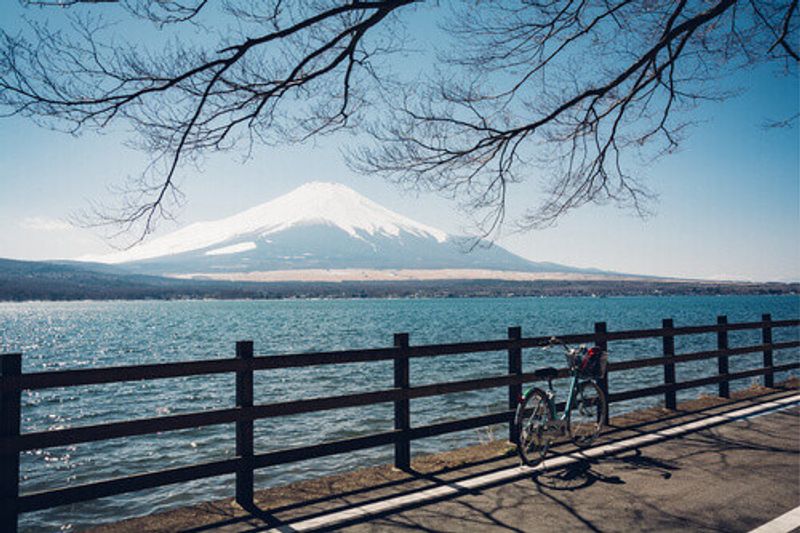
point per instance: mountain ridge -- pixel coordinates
(317, 226)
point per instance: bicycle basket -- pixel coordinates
(593, 365)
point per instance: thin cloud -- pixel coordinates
(44, 224)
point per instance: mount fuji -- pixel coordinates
(316, 227)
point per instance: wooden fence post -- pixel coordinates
(670, 399)
(402, 411)
(515, 369)
(10, 367)
(244, 428)
(766, 338)
(722, 360)
(601, 342)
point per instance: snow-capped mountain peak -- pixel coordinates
(336, 205)
(315, 203)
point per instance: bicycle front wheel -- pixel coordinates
(532, 417)
(585, 419)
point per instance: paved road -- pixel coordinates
(732, 477)
(677, 473)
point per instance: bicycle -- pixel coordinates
(584, 410)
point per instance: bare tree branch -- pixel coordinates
(571, 94)
(530, 94)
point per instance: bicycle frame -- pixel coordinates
(551, 397)
(573, 385)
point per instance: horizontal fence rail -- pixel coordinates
(246, 411)
(117, 374)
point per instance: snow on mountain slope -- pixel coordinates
(315, 203)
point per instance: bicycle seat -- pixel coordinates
(547, 373)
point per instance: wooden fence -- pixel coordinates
(12, 382)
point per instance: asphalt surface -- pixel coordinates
(735, 475)
(732, 477)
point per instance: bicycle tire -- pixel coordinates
(531, 419)
(585, 419)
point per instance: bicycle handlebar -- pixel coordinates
(573, 355)
(555, 341)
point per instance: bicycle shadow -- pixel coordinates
(584, 473)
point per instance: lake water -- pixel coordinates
(94, 334)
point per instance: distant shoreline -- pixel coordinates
(318, 275)
(407, 290)
(30, 281)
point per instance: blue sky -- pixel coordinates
(728, 207)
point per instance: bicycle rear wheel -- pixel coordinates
(585, 420)
(533, 415)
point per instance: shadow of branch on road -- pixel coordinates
(461, 515)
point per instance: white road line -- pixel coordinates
(456, 487)
(783, 524)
